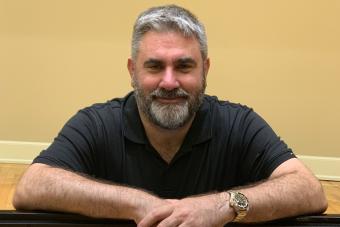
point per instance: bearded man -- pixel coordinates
(167, 154)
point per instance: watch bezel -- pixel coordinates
(241, 201)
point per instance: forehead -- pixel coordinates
(168, 45)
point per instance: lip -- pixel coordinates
(171, 100)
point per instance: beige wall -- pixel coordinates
(280, 57)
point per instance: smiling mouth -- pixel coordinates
(172, 100)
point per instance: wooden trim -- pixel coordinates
(325, 168)
(19, 151)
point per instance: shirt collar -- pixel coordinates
(200, 130)
(132, 124)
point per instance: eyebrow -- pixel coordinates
(152, 61)
(186, 60)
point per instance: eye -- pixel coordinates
(184, 67)
(153, 66)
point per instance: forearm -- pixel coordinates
(291, 190)
(55, 189)
(288, 195)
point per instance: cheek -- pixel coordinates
(149, 84)
(191, 84)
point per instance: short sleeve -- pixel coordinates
(262, 150)
(74, 147)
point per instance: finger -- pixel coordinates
(155, 216)
(170, 222)
(184, 225)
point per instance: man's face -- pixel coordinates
(168, 76)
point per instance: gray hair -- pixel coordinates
(169, 18)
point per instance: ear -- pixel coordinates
(206, 66)
(131, 67)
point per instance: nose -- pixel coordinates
(169, 80)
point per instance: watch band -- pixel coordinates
(239, 216)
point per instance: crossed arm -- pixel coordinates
(291, 190)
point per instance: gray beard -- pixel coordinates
(168, 116)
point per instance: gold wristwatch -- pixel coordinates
(239, 203)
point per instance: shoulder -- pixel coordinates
(108, 108)
(220, 108)
(100, 114)
(235, 118)
(224, 104)
(105, 107)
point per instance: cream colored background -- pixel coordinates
(280, 57)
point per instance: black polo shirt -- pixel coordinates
(227, 145)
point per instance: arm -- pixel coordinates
(291, 190)
(47, 188)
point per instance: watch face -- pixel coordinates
(241, 201)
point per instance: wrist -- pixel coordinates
(143, 204)
(228, 214)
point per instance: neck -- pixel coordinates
(167, 142)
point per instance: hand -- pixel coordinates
(208, 210)
(147, 205)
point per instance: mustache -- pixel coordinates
(175, 93)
